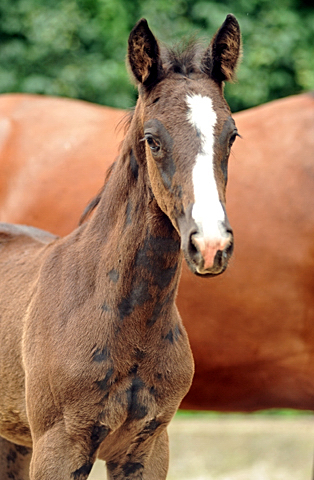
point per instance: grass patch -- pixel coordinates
(286, 412)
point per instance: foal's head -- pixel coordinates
(187, 129)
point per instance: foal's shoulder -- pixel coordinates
(10, 232)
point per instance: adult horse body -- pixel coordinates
(68, 144)
(94, 357)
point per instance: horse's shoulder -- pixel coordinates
(10, 232)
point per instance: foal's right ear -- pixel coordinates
(221, 57)
(144, 55)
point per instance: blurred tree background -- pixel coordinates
(77, 48)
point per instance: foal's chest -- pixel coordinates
(136, 406)
(149, 383)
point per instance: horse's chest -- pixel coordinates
(133, 412)
(136, 406)
(143, 394)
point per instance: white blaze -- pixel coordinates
(207, 210)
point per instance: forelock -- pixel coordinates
(183, 58)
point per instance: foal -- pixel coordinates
(94, 357)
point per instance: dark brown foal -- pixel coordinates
(94, 357)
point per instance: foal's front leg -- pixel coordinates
(148, 462)
(58, 456)
(14, 461)
(158, 463)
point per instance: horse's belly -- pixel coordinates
(14, 427)
(13, 418)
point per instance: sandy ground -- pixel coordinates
(238, 448)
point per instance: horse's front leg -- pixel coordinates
(59, 456)
(147, 461)
(158, 462)
(14, 461)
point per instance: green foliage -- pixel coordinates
(77, 48)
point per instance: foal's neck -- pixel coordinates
(134, 244)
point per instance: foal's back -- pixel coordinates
(21, 252)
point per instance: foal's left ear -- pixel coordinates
(221, 57)
(144, 55)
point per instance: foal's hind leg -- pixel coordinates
(14, 461)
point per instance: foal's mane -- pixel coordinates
(95, 201)
(182, 58)
(124, 123)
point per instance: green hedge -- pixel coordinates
(77, 48)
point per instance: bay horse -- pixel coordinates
(94, 356)
(68, 144)
(251, 329)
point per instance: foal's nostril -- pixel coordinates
(225, 229)
(193, 248)
(192, 244)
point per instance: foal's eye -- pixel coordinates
(232, 138)
(153, 143)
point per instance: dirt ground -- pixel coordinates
(238, 448)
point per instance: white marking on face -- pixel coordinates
(207, 210)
